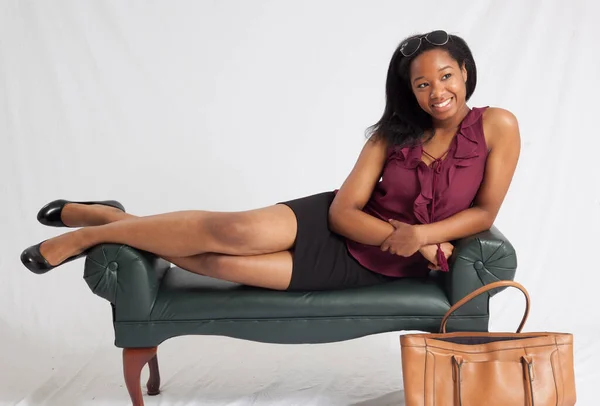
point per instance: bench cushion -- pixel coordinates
(187, 296)
(153, 301)
(188, 303)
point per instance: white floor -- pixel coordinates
(198, 370)
(214, 371)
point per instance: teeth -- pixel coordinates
(444, 104)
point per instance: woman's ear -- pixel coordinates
(463, 70)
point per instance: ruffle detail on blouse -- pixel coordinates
(408, 156)
(464, 150)
(421, 206)
(465, 154)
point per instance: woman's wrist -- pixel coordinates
(421, 232)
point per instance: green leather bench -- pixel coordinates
(153, 301)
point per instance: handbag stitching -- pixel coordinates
(483, 352)
(529, 373)
(555, 374)
(559, 395)
(434, 391)
(529, 356)
(429, 358)
(425, 375)
(562, 373)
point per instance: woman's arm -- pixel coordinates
(345, 213)
(347, 218)
(504, 142)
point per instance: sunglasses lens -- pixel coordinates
(410, 46)
(437, 37)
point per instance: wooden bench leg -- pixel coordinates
(153, 384)
(134, 360)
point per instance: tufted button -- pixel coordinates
(113, 266)
(101, 269)
(478, 265)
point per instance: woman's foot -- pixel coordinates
(51, 253)
(51, 214)
(85, 215)
(60, 248)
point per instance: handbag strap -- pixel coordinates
(484, 289)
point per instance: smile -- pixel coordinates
(443, 104)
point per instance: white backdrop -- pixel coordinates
(233, 105)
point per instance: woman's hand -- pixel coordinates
(405, 240)
(429, 252)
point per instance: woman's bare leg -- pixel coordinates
(86, 215)
(271, 271)
(186, 233)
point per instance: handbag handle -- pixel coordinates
(484, 289)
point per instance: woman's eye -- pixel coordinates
(421, 85)
(446, 76)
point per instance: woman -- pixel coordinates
(432, 171)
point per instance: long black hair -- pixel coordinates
(404, 121)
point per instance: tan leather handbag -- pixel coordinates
(488, 369)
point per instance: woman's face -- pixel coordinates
(438, 83)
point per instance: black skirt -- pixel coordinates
(321, 258)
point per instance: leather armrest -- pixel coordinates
(476, 261)
(126, 277)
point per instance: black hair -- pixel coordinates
(404, 121)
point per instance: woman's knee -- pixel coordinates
(230, 233)
(261, 231)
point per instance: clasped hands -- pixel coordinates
(406, 239)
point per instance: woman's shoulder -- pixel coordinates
(499, 116)
(499, 126)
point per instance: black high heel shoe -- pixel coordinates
(33, 259)
(49, 215)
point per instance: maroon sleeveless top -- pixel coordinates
(412, 192)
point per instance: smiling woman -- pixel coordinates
(457, 161)
(413, 86)
(444, 168)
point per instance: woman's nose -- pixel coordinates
(436, 91)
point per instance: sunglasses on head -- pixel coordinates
(412, 45)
